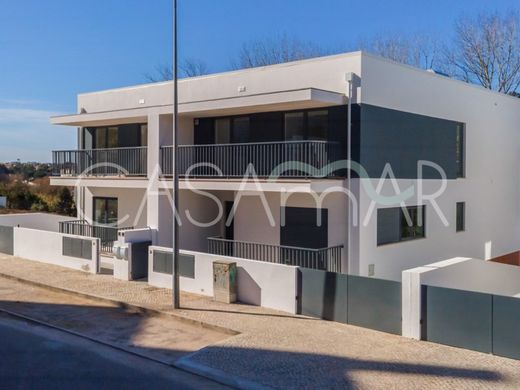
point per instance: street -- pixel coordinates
(35, 356)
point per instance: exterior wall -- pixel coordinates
(47, 247)
(262, 284)
(490, 188)
(457, 273)
(132, 210)
(41, 221)
(192, 236)
(328, 73)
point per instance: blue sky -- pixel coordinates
(54, 49)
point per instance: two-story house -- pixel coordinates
(433, 165)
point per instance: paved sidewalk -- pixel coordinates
(278, 350)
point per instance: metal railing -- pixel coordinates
(233, 159)
(106, 234)
(328, 259)
(100, 162)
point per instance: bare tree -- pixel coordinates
(275, 51)
(487, 52)
(190, 67)
(420, 50)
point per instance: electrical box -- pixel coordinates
(225, 281)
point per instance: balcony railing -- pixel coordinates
(233, 159)
(106, 234)
(327, 259)
(100, 162)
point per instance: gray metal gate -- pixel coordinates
(375, 304)
(322, 294)
(7, 240)
(357, 300)
(506, 326)
(458, 318)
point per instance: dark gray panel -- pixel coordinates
(506, 326)
(163, 262)
(187, 266)
(301, 228)
(458, 318)
(401, 139)
(6, 240)
(374, 303)
(86, 249)
(322, 294)
(139, 262)
(77, 247)
(388, 225)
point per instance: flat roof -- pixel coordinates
(272, 101)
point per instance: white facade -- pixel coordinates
(490, 188)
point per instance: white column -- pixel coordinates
(411, 302)
(153, 171)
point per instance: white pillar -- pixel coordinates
(152, 204)
(411, 302)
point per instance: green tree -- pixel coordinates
(65, 204)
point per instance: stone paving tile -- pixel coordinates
(293, 352)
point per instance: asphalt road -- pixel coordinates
(34, 356)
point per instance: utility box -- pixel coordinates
(225, 281)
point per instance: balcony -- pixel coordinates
(327, 259)
(232, 160)
(100, 162)
(106, 234)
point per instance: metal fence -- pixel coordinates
(473, 320)
(6, 240)
(233, 159)
(100, 162)
(328, 259)
(358, 300)
(106, 234)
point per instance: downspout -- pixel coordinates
(349, 77)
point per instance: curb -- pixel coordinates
(200, 372)
(123, 305)
(83, 336)
(216, 375)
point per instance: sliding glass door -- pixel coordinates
(105, 211)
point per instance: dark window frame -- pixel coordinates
(460, 219)
(106, 199)
(460, 156)
(306, 122)
(143, 135)
(402, 222)
(305, 112)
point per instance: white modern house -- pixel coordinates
(262, 159)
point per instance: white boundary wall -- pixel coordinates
(47, 247)
(41, 221)
(458, 273)
(263, 284)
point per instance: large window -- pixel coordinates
(130, 135)
(294, 126)
(105, 211)
(397, 224)
(241, 129)
(461, 217)
(317, 124)
(232, 130)
(306, 125)
(460, 139)
(222, 131)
